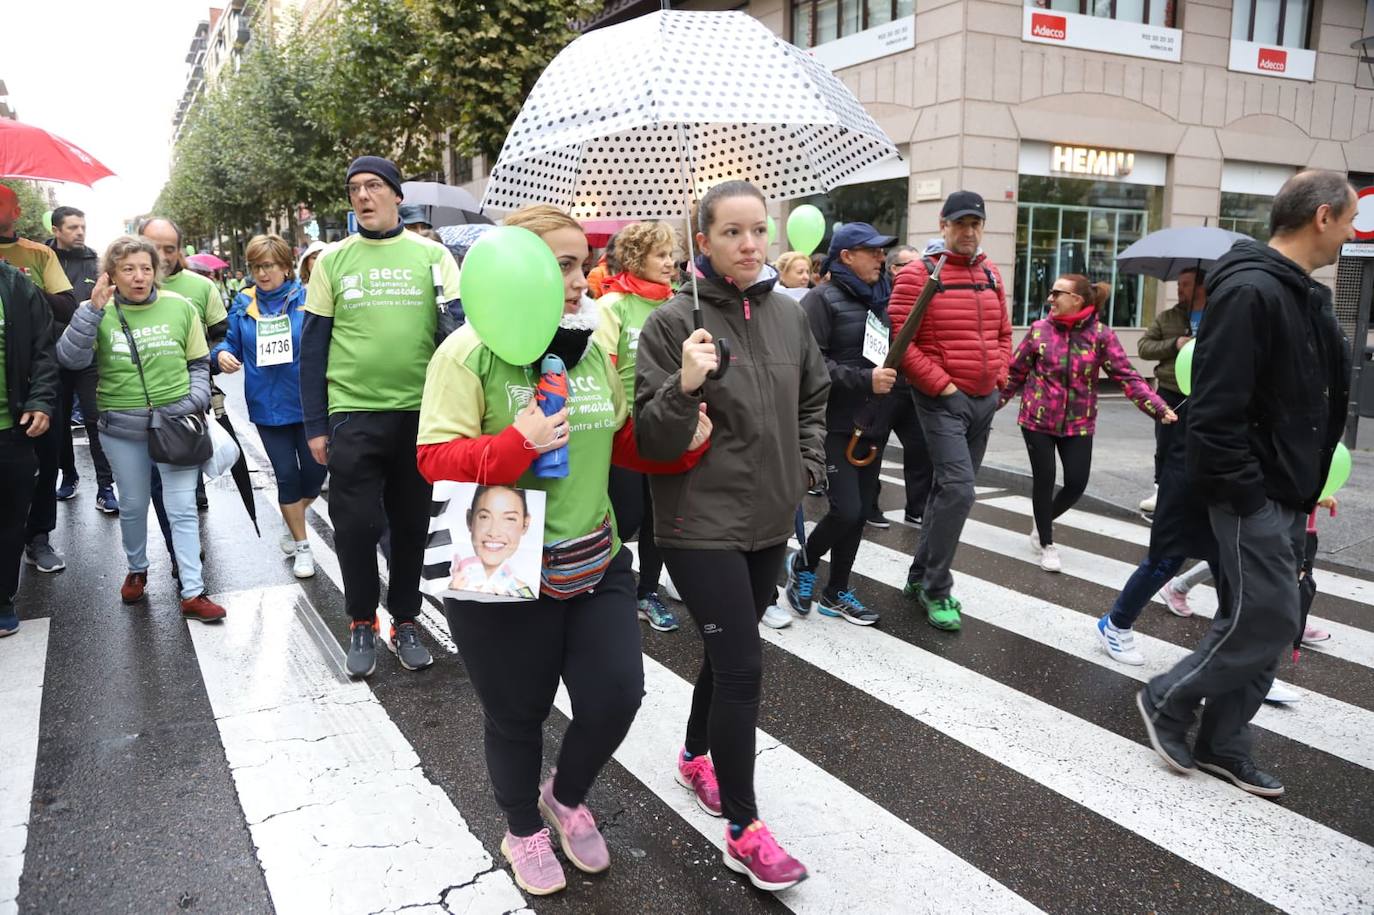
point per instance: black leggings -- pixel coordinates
(726, 591)
(852, 491)
(1076, 453)
(634, 513)
(515, 655)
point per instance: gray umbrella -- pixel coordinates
(1167, 253)
(444, 204)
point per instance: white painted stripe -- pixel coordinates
(23, 657)
(1328, 582)
(898, 481)
(1327, 724)
(1257, 845)
(856, 851)
(341, 814)
(1347, 642)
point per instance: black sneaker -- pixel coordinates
(405, 644)
(40, 554)
(105, 500)
(875, 519)
(801, 584)
(68, 488)
(1243, 774)
(846, 605)
(815, 491)
(362, 649)
(202, 502)
(913, 520)
(1172, 748)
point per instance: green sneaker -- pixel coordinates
(942, 612)
(913, 591)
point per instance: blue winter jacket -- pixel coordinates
(273, 392)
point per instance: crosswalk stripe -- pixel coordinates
(1347, 642)
(21, 704)
(1326, 724)
(1333, 583)
(341, 814)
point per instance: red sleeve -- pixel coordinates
(625, 453)
(1004, 332)
(500, 459)
(922, 371)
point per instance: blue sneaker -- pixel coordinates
(653, 612)
(801, 584)
(9, 621)
(67, 490)
(105, 500)
(845, 604)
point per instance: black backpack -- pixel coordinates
(976, 287)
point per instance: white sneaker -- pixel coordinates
(665, 584)
(304, 566)
(287, 543)
(1049, 558)
(776, 618)
(1282, 693)
(1147, 504)
(1036, 548)
(1119, 643)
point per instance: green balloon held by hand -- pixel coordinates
(1339, 473)
(47, 220)
(1183, 368)
(772, 230)
(805, 228)
(512, 292)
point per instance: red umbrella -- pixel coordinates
(208, 261)
(31, 152)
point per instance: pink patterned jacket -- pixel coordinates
(1056, 369)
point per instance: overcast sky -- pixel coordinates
(106, 76)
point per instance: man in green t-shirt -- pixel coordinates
(28, 398)
(371, 314)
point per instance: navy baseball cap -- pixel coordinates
(853, 235)
(961, 204)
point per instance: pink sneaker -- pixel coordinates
(532, 862)
(1312, 635)
(1176, 601)
(577, 833)
(757, 855)
(698, 775)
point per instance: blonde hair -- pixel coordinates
(787, 259)
(636, 242)
(541, 219)
(270, 249)
(124, 246)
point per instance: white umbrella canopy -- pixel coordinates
(637, 120)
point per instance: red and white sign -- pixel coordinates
(1100, 34)
(1364, 215)
(1269, 60)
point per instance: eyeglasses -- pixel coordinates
(262, 268)
(372, 187)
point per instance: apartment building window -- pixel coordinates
(1145, 12)
(1287, 23)
(818, 21)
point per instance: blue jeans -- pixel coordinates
(133, 471)
(1143, 584)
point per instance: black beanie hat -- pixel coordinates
(376, 165)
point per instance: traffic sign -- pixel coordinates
(1364, 215)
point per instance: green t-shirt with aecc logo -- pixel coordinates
(168, 334)
(622, 318)
(380, 293)
(201, 292)
(6, 421)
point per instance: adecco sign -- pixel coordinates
(1268, 60)
(1100, 34)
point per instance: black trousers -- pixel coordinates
(18, 467)
(726, 591)
(515, 655)
(1076, 453)
(372, 463)
(1164, 433)
(918, 472)
(43, 507)
(851, 490)
(79, 386)
(634, 514)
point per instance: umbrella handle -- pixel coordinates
(722, 350)
(866, 459)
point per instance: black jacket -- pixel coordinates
(82, 266)
(1271, 383)
(837, 320)
(30, 363)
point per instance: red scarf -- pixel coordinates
(1071, 320)
(629, 283)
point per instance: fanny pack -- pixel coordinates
(575, 566)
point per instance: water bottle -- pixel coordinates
(552, 395)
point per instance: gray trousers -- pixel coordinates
(956, 430)
(1257, 619)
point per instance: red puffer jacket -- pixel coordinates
(965, 336)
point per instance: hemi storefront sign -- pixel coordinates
(1268, 60)
(1155, 42)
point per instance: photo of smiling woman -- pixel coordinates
(498, 519)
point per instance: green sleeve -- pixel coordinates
(196, 346)
(607, 334)
(319, 295)
(622, 408)
(453, 402)
(214, 306)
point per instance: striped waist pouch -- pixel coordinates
(575, 566)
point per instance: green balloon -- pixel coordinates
(190, 249)
(772, 230)
(805, 228)
(512, 291)
(47, 220)
(1339, 473)
(1183, 368)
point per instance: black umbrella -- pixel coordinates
(239, 472)
(1167, 253)
(1307, 585)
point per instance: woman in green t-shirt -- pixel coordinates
(127, 310)
(479, 423)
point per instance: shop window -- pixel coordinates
(1070, 225)
(1145, 12)
(1287, 23)
(882, 204)
(1247, 214)
(818, 21)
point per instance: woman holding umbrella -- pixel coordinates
(723, 526)
(264, 340)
